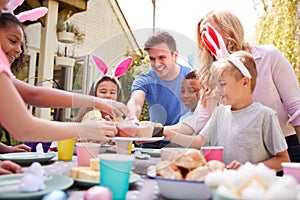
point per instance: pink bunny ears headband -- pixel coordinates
(214, 42)
(30, 15)
(121, 67)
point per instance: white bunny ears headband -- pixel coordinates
(120, 69)
(214, 42)
(30, 15)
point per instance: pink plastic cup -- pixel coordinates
(85, 151)
(292, 169)
(212, 152)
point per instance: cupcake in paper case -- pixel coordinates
(127, 129)
(145, 129)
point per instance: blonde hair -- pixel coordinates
(233, 32)
(223, 65)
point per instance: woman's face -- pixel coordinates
(190, 93)
(11, 40)
(107, 90)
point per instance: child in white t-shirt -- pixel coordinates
(247, 130)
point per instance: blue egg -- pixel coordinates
(55, 195)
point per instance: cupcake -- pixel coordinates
(127, 129)
(145, 129)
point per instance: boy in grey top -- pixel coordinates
(247, 130)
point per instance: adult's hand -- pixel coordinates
(9, 167)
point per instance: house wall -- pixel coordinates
(106, 33)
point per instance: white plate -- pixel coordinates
(26, 157)
(182, 189)
(146, 139)
(9, 188)
(133, 178)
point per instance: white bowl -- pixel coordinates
(182, 189)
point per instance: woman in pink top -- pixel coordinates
(277, 86)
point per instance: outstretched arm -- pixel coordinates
(136, 102)
(180, 128)
(24, 127)
(49, 97)
(184, 140)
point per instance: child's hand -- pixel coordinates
(9, 167)
(111, 107)
(234, 165)
(19, 148)
(168, 134)
(99, 130)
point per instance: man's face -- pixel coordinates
(162, 60)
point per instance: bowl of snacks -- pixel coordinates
(185, 170)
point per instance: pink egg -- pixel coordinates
(97, 192)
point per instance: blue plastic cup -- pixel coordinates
(115, 172)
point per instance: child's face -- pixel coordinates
(11, 40)
(107, 90)
(230, 90)
(190, 93)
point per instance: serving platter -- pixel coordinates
(142, 139)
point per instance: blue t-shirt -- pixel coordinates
(163, 97)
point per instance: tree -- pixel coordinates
(280, 25)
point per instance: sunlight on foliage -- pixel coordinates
(280, 26)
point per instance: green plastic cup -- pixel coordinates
(115, 172)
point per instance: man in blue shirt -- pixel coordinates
(161, 86)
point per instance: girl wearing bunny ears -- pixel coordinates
(49, 97)
(14, 115)
(106, 86)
